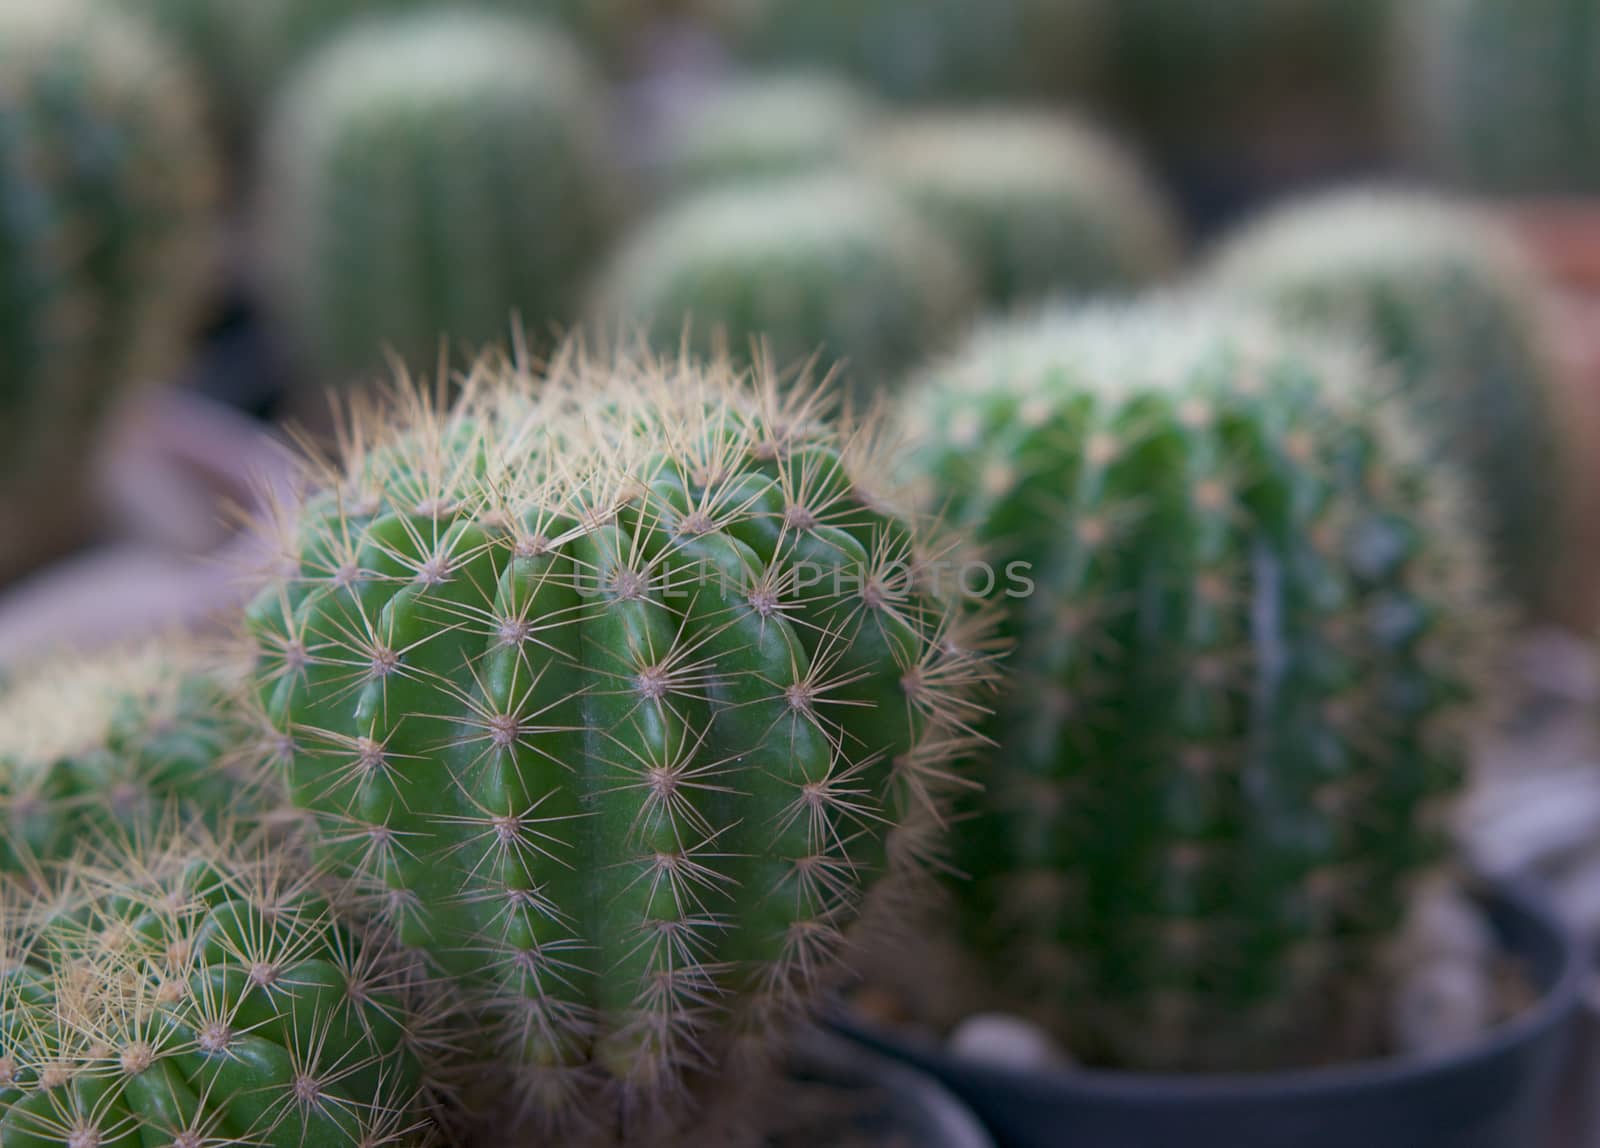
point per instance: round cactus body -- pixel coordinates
(436, 178)
(1041, 205)
(1247, 628)
(1457, 309)
(105, 188)
(929, 50)
(765, 127)
(820, 265)
(187, 993)
(91, 744)
(1504, 97)
(608, 689)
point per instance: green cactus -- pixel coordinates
(608, 689)
(766, 126)
(436, 176)
(1248, 630)
(91, 744)
(928, 50)
(816, 265)
(183, 992)
(1040, 204)
(1504, 98)
(1458, 309)
(105, 189)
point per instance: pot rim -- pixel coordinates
(1559, 1001)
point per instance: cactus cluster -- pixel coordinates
(608, 689)
(1457, 308)
(186, 991)
(765, 127)
(105, 189)
(1244, 677)
(432, 180)
(928, 50)
(1041, 205)
(1504, 98)
(819, 265)
(112, 743)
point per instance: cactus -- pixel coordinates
(820, 264)
(184, 992)
(1503, 98)
(1457, 308)
(928, 50)
(608, 690)
(105, 190)
(440, 175)
(1040, 204)
(1244, 676)
(768, 126)
(94, 744)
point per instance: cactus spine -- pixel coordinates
(183, 992)
(608, 691)
(436, 176)
(105, 189)
(820, 264)
(1458, 310)
(1040, 204)
(1504, 98)
(1243, 680)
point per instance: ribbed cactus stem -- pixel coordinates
(1242, 680)
(609, 691)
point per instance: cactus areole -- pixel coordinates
(613, 691)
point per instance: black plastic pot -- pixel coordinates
(1495, 1094)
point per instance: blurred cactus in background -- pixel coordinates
(433, 178)
(106, 189)
(1457, 308)
(1219, 87)
(817, 265)
(765, 126)
(928, 50)
(1041, 205)
(1245, 677)
(1503, 97)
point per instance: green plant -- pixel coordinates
(179, 991)
(106, 743)
(766, 126)
(1244, 676)
(105, 189)
(1457, 308)
(438, 175)
(816, 265)
(609, 690)
(1040, 204)
(1503, 97)
(928, 50)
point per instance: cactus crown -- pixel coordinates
(1245, 677)
(186, 992)
(1459, 312)
(610, 687)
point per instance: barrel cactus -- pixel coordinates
(1041, 205)
(1504, 98)
(823, 265)
(765, 127)
(106, 185)
(186, 992)
(435, 176)
(608, 690)
(111, 743)
(928, 50)
(1250, 630)
(1458, 309)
